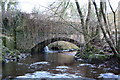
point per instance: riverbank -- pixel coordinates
(14, 57)
(58, 65)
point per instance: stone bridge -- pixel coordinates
(44, 32)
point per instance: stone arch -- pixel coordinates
(40, 46)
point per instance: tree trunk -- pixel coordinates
(88, 17)
(84, 25)
(103, 30)
(116, 34)
(3, 26)
(14, 35)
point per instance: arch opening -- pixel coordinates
(40, 46)
(62, 45)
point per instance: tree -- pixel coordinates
(84, 23)
(7, 6)
(63, 9)
(105, 31)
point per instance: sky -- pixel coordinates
(28, 5)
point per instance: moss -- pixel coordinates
(101, 52)
(93, 55)
(10, 44)
(85, 56)
(25, 50)
(9, 53)
(97, 56)
(118, 55)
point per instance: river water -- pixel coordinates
(53, 65)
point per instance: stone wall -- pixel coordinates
(43, 30)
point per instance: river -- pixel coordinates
(53, 65)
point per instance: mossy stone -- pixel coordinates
(97, 58)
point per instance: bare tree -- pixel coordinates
(84, 22)
(105, 31)
(7, 6)
(115, 25)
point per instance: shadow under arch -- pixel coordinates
(40, 46)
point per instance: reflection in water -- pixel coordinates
(65, 59)
(59, 59)
(36, 62)
(56, 64)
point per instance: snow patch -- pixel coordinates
(63, 67)
(108, 75)
(38, 63)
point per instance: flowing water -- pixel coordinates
(52, 65)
